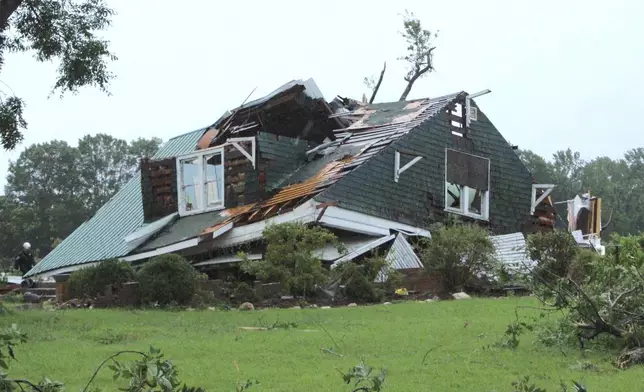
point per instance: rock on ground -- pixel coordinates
(352, 305)
(461, 295)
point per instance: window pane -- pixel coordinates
(189, 198)
(453, 196)
(191, 184)
(190, 172)
(214, 179)
(475, 200)
(214, 168)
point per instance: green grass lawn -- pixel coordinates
(205, 345)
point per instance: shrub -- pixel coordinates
(359, 279)
(290, 258)
(457, 253)
(243, 292)
(554, 252)
(167, 279)
(90, 281)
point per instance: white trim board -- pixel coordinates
(63, 270)
(163, 250)
(138, 237)
(351, 220)
(227, 259)
(305, 213)
(229, 235)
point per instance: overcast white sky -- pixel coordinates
(562, 73)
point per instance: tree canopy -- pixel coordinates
(53, 187)
(53, 30)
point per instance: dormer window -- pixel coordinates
(200, 180)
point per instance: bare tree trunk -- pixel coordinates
(7, 8)
(410, 84)
(377, 87)
(429, 66)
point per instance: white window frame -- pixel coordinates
(201, 154)
(465, 194)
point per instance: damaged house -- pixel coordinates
(377, 175)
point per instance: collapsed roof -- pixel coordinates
(371, 128)
(330, 140)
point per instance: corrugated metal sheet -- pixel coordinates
(330, 252)
(511, 250)
(103, 236)
(363, 249)
(402, 255)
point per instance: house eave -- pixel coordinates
(333, 217)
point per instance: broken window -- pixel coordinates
(467, 184)
(201, 181)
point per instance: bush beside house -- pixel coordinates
(290, 261)
(290, 257)
(457, 254)
(167, 279)
(361, 281)
(92, 281)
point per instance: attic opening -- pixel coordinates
(467, 184)
(457, 119)
(295, 110)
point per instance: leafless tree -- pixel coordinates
(373, 85)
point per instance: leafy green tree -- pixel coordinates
(43, 189)
(141, 147)
(107, 163)
(53, 187)
(290, 257)
(541, 169)
(63, 30)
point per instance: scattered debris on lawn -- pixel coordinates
(329, 351)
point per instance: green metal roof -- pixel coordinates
(103, 236)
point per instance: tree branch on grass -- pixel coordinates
(599, 296)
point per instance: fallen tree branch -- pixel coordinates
(109, 359)
(329, 351)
